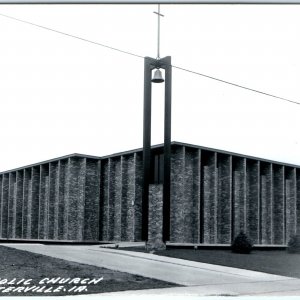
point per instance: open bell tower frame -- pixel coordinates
(149, 65)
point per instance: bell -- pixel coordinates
(157, 78)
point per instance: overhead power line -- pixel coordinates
(140, 56)
(71, 35)
(235, 84)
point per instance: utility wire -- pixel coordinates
(72, 36)
(140, 56)
(235, 84)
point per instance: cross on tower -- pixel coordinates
(158, 29)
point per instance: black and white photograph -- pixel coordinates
(149, 148)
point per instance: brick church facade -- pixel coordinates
(214, 195)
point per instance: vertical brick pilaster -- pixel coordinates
(190, 226)
(224, 200)
(92, 200)
(53, 201)
(239, 194)
(24, 203)
(46, 208)
(42, 202)
(105, 203)
(290, 183)
(19, 204)
(81, 174)
(1, 202)
(197, 195)
(117, 198)
(29, 207)
(177, 193)
(111, 200)
(11, 230)
(75, 198)
(252, 204)
(294, 176)
(115, 193)
(138, 165)
(155, 217)
(4, 208)
(128, 198)
(209, 197)
(298, 200)
(278, 204)
(60, 193)
(66, 195)
(272, 204)
(266, 203)
(35, 182)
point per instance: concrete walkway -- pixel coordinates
(199, 279)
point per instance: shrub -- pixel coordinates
(294, 244)
(241, 244)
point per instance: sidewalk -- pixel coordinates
(198, 279)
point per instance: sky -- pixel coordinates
(61, 95)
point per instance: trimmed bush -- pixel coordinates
(294, 244)
(241, 244)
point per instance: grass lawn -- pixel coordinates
(275, 262)
(26, 265)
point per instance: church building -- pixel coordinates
(214, 195)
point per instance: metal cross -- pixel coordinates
(158, 29)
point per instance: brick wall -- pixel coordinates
(137, 220)
(239, 195)
(210, 200)
(19, 204)
(51, 201)
(185, 195)
(92, 203)
(213, 197)
(121, 198)
(224, 199)
(291, 205)
(266, 204)
(155, 217)
(278, 205)
(252, 200)
(231, 191)
(298, 200)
